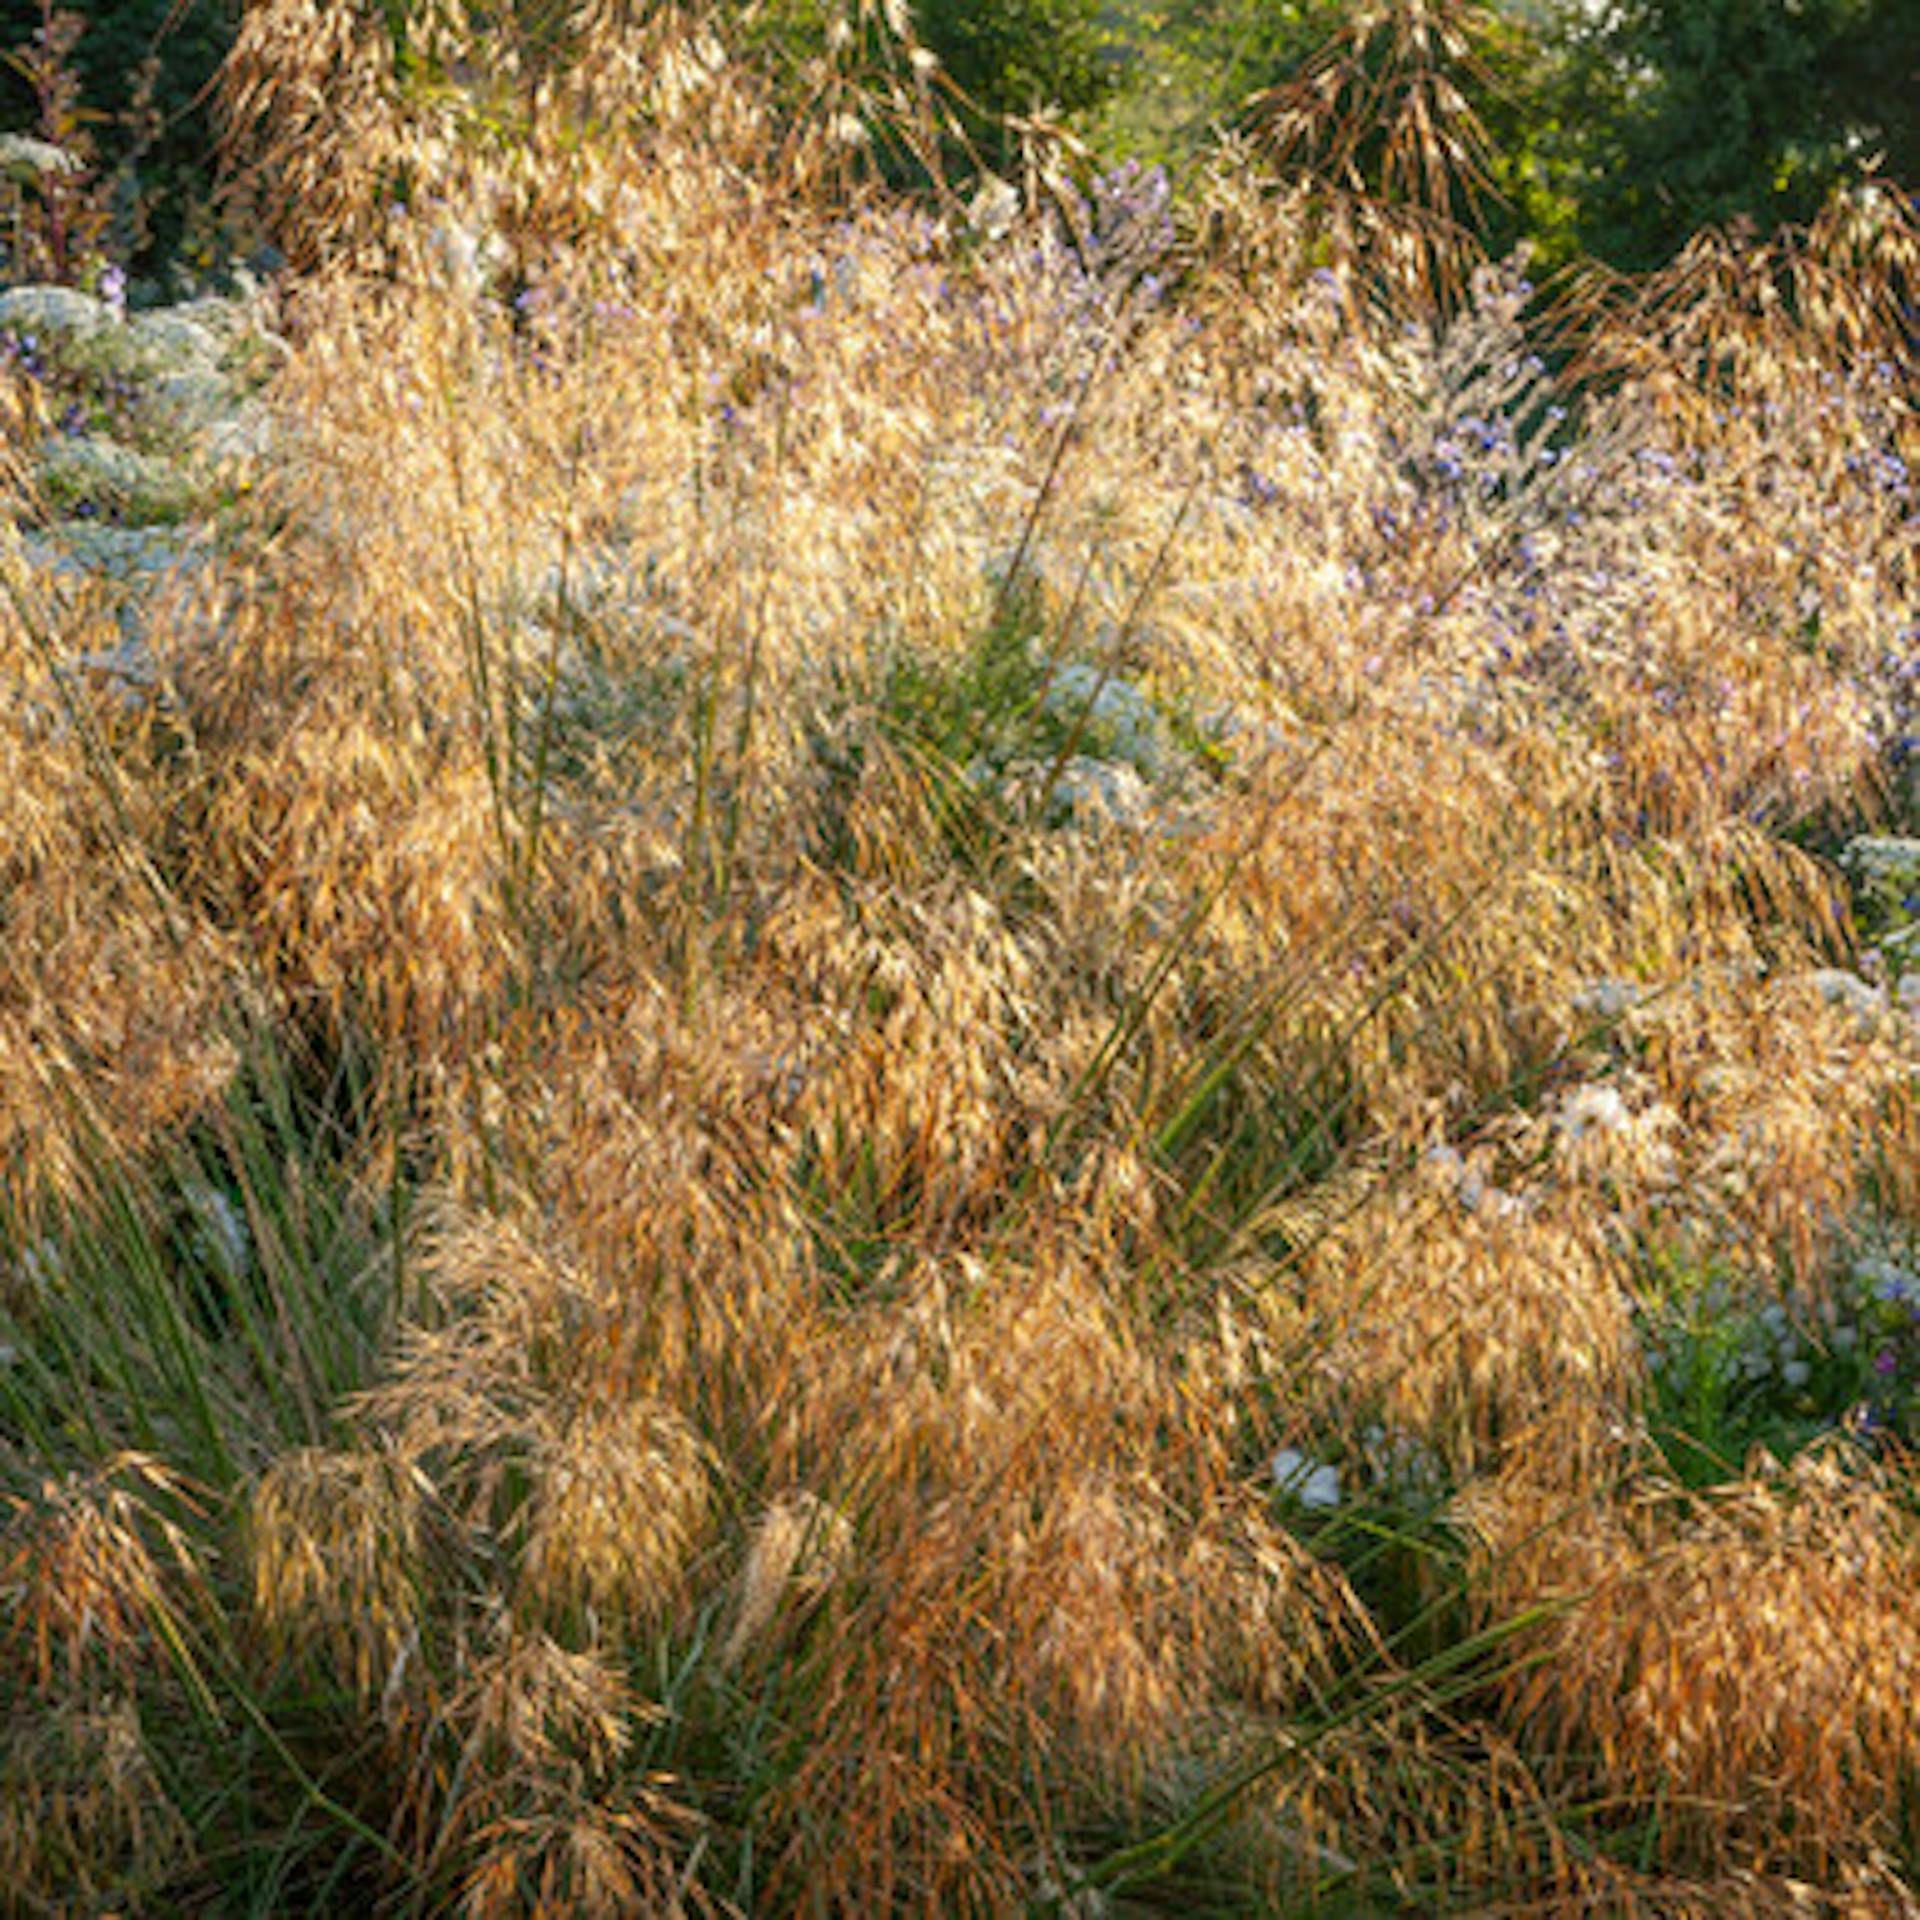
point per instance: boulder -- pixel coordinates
(243, 436)
(57, 312)
(124, 556)
(168, 338)
(125, 569)
(1116, 718)
(1099, 793)
(98, 475)
(1839, 987)
(190, 401)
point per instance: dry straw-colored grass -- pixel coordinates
(880, 1236)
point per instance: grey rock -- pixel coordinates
(1608, 998)
(100, 473)
(1839, 987)
(127, 568)
(169, 338)
(225, 319)
(55, 310)
(1096, 793)
(244, 437)
(467, 258)
(128, 666)
(132, 556)
(189, 402)
(1311, 1482)
(1115, 713)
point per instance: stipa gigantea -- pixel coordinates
(1795, 1581)
(889, 1234)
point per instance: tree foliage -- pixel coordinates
(1012, 56)
(144, 69)
(1616, 129)
(1703, 112)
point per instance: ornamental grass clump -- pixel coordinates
(640, 1276)
(112, 984)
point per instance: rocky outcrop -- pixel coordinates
(137, 427)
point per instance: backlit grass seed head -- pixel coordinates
(1750, 1654)
(799, 1547)
(1466, 1324)
(594, 1860)
(111, 983)
(504, 1340)
(548, 1820)
(1138, 1622)
(535, 1705)
(94, 1569)
(1118, 1681)
(334, 1545)
(819, 1122)
(85, 1823)
(619, 1497)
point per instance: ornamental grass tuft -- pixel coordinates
(661, 1250)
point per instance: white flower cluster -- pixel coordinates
(1393, 1463)
(1311, 1482)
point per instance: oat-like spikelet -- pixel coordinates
(597, 1861)
(1465, 1313)
(526, 1409)
(1748, 1658)
(549, 1822)
(513, 1331)
(537, 1704)
(308, 103)
(619, 1496)
(335, 1545)
(920, 1086)
(660, 1134)
(1783, 1096)
(1136, 1624)
(94, 1569)
(371, 895)
(800, 1547)
(112, 983)
(85, 1823)
(891, 1227)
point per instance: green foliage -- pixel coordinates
(144, 69)
(1730, 1372)
(1617, 132)
(1016, 55)
(988, 703)
(1703, 112)
(1190, 71)
(1009, 57)
(1490, 73)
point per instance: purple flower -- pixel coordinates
(1258, 490)
(1886, 1362)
